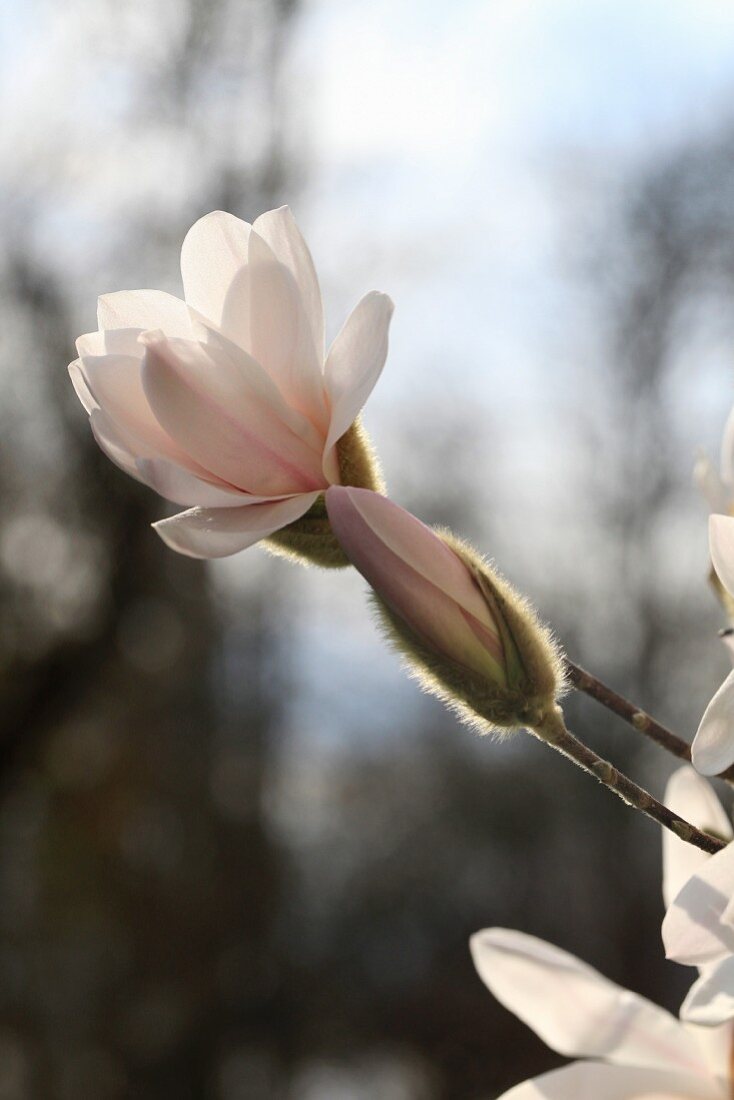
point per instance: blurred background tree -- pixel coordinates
(240, 856)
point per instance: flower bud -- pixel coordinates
(465, 634)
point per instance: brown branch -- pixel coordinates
(552, 730)
(640, 720)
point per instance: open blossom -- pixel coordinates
(698, 929)
(225, 402)
(698, 890)
(632, 1049)
(466, 634)
(713, 746)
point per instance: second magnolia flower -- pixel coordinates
(466, 634)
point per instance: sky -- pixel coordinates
(457, 155)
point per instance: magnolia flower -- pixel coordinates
(466, 634)
(713, 746)
(698, 928)
(224, 402)
(637, 1050)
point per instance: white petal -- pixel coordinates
(80, 385)
(219, 532)
(144, 309)
(114, 382)
(694, 930)
(712, 750)
(213, 251)
(694, 799)
(574, 1009)
(355, 361)
(721, 544)
(220, 414)
(594, 1081)
(261, 381)
(179, 486)
(280, 333)
(113, 443)
(710, 999)
(278, 228)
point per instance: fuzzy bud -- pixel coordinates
(465, 633)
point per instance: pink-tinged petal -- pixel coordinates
(279, 230)
(115, 384)
(420, 579)
(80, 385)
(180, 486)
(260, 381)
(143, 310)
(695, 931)
(712, 750)
(721, 544)
(214, 250)
(412, 542)
(219, 532)
(113, 341)
(211, 406)
(710, 1000)
(355, 361)
(575, 1010)
(709, 484)
(596, 1081)
(280, 334)
(113, 443)
(694, 799)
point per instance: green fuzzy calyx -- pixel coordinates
(310, 540)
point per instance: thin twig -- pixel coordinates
(552, 730)
(639, 719)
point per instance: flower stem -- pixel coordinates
(639, 719)
(552, 729)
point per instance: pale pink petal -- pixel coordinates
(575, 1010)
(280, 334)
(355, 361)
(113, 341)
(721, 544)
(694, 799)
(219, 532)
(181, 487)
(411, 541)
(278, 229)
(91, 343)
(418, 577)
(710, 1000)
(214, 250)
(144, 309)
(596, 1081)
(212, 408)
(80, 385)
(113, 443)
(260, 382)
(694, 929)
(712, 750)
(115, 384)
